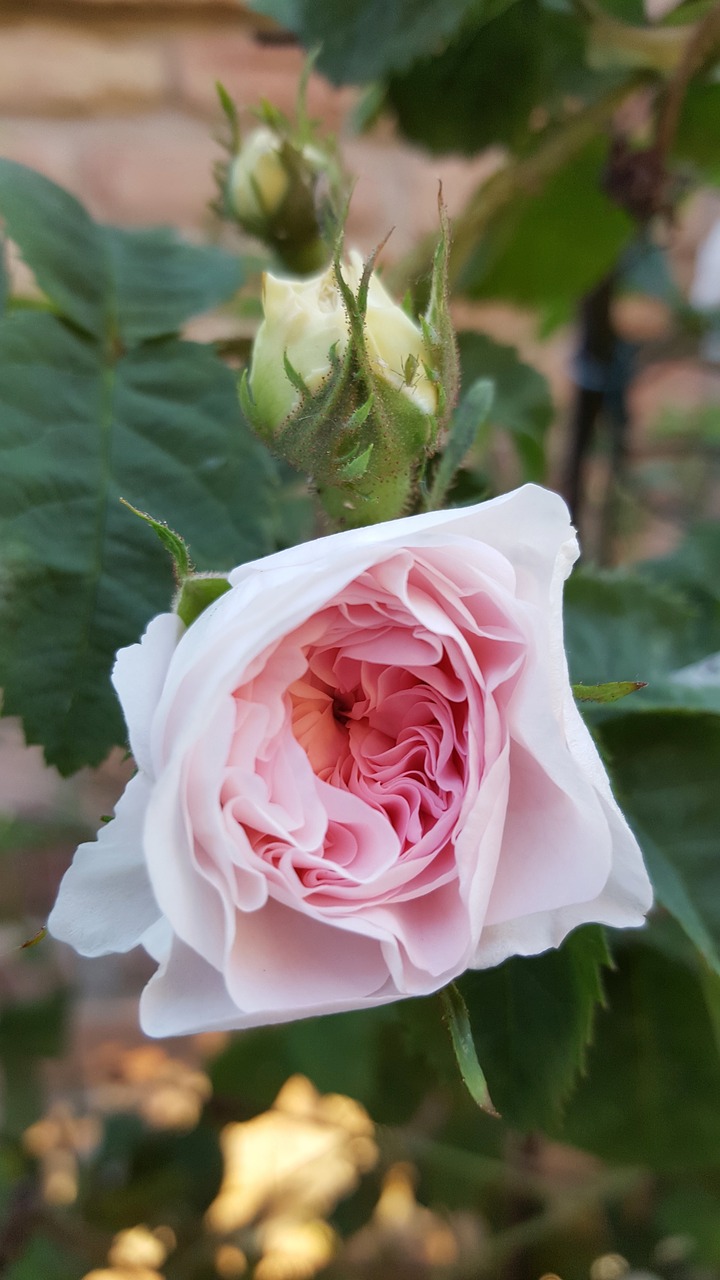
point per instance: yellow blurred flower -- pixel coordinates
(296, 1160)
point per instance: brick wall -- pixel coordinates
(115, 100)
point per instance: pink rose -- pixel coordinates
(360, 772)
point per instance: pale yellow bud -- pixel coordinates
(258, 181)
(306, 319)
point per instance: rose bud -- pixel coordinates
(307, 321)
(258, 180)
(361, 771)
(277, 186)
(345, 386)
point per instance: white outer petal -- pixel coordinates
(187, 995)
(138, 676)
(705, 288)
(105, 902)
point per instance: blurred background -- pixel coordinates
(215, 1157)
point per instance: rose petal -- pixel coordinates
(187, 995)
(106, 902)
(138, 676)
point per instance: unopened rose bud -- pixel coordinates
(307, 321)
(258, 180)
(346, 386)
(280, 189)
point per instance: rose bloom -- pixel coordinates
(360, 772)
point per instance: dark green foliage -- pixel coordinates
(89, 418)
(521, 406)
(532, 1019)
(363, 39)
(666, 767)
(650, 1095)
(481, 89)
(552, 245)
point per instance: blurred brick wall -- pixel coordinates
(115, 100)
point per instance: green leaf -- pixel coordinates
(522, 404)
(689, 1212)
(36, 1029)
(479, 90)
(697, 138)
(288, 13)
(133, 284)
(160, 281)
(79, 575)
(465, 425)
(65, 249)
(364, 39)
(621, 626)
(532, 1018)
(610, 692)
(654, 623)
(29, 1031)
(653, 1080)
(196, 594)
(692, 571)
(665, 767)
(45, 1257)
(554, 244)
(456, 1017)
(3, 277)
(338, 1053)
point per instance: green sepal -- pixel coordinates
(356, 467)
(610, 692)
(457, 1020)
(195, 590)
(230, 112)
(294, 377)
(196, 593)
(465, 424)
(178, 548)
(437, 325)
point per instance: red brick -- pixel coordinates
(250, 72)
(397, 187)
(155, 169)
(63, 69)
(47, 145)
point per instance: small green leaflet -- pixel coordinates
(196, 591)
(182, 564)
(607, 692)
(465, 424)
(457, 1021)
